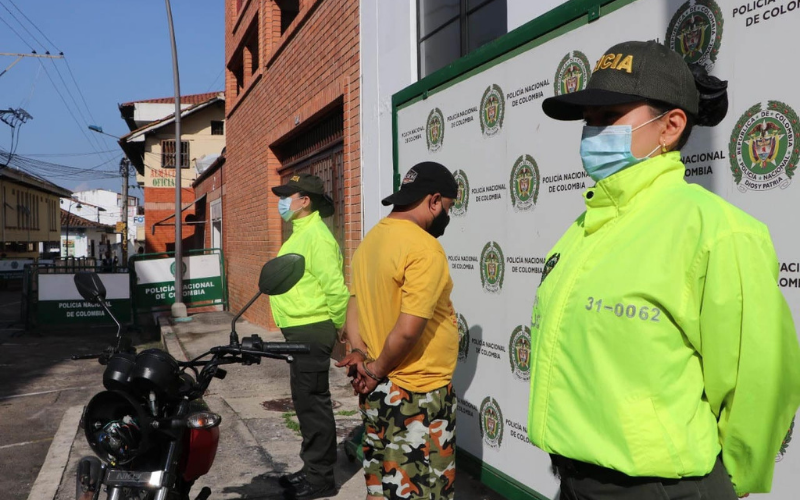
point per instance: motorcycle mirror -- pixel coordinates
(281, 273)
(90, 287)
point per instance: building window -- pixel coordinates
(168, 154)
(450, 29)
(289, 11)
(217, 127)
(236, 71)
(251, 49)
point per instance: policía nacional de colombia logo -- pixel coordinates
(549, 265)
(763, 149)
(492, 110)
(463, 337)
(524, 183)
(461, 203)
(695, 32)
(573, 73)
(519, 352)
(183, 269)
(491, 422)
(434, 130)
(785, 443)
(492, 267)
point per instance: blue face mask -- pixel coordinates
(607, 150)
(285, 209)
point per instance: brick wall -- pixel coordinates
(159, 204)
(212, 186)
(300, 73)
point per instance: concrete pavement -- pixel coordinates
(258, 442)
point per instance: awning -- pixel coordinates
(163, 222)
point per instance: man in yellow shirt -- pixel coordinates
(405, 342)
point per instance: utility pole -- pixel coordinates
(19, 57)
(124, 171)
(178, 308)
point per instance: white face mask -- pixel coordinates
(285, 209)
(607, 150)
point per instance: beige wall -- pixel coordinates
(195, 129)
(41, 221)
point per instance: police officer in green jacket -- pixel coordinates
(312, 312)
(665, 361)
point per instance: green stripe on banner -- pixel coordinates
(194, 291)
(51, 312)
(494, 479)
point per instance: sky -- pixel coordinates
(115, 51)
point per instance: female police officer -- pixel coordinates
(312, 311)
(666, 364)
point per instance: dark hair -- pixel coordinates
(712, 106)
(314, 198)
(320, 202)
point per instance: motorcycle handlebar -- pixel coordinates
(86, 356)
(286, 348)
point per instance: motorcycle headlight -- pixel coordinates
(203, 420)
(116, 427)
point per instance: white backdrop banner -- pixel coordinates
(521, 180)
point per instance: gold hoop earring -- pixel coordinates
(663, 146)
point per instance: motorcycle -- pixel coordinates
(153, 434)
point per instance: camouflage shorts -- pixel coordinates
(409, 442)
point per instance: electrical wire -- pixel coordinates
(97, 144)
(18, 35)
(23, 26)
(25, 101)
(69, 110)
(34, 25)
(43, 155)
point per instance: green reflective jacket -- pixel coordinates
(320, 294)
(660, 336)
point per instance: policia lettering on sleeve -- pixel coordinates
(665, 358)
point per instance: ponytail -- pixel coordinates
(713, 105)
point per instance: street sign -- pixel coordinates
(60, 302)
(155, 281)
(120, 227)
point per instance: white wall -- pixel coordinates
(388, 65)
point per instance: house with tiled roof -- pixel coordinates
(83, 237)
(151, 148)
(29, 223)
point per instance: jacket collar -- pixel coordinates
(612, 196)
(298, 225)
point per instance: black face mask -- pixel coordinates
(439, 223)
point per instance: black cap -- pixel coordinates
(306, 183)
(311, 185)
(630, 72)
(421, 180)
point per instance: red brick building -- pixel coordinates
(292, 105)
(151, 148)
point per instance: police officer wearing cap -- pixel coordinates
(666, 364)
(312, 312)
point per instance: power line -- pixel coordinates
(18, 35)
(69, 110)
(72, 154)
(34, 25)
(23, 26)
(77, 107)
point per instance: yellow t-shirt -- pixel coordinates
(399, 267)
